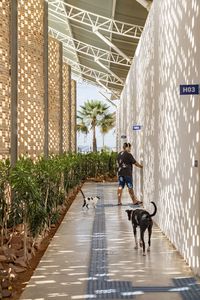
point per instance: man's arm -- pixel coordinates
(134, 162)
(138, 165)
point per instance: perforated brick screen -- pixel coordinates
(30, 85)
(54, 95)
(30, 77)
(66, 107)
(73, 116)
(4, 79)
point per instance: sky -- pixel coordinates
(86, 92)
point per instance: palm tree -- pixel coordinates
(90, 116)
(106, 124)
(81, 127)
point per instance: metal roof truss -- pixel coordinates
(92, 51)
(95, 21)
(108, 78)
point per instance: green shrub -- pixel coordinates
(39, 187)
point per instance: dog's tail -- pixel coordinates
(155, 209)
(82, 194)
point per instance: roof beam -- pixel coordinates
(112, 17)
(115, 93)
(95, 83)
(145, 3)
(107, 99)
(103, 38)
(93, 20)
(95, 74)
(113, 8)
(69, 27)
(89, 50)
(108, 70)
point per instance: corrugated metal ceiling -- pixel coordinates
(128, 11)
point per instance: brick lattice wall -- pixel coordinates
(30, 80)
(73, 116)
(30, 84)
(4, 79)
(66, 107)
(54, 95)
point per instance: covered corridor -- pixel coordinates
(143, 55)
(92, 256)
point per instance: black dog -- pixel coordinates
(143, 219)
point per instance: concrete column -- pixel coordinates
(73, 116)
(69, 111)
(46, 102)
(54, 95)
(14, 79)
(61, 99)
(66, 108)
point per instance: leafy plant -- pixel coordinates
(40, 187)
(55, 217)
(27, 205)
(5, 197)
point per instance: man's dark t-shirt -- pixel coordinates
(125, 162)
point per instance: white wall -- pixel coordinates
(168, 55)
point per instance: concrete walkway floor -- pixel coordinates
(92, 256)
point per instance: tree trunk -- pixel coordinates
(94, 142)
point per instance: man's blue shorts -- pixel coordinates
(125, 180)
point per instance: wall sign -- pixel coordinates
(137, 127)
(189, 89)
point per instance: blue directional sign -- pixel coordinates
(137, 127)
(189, 89)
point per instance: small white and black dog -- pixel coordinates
(87, 201)
(143, 219)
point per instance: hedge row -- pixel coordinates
(40, 187)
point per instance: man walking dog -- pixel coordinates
(125, 166)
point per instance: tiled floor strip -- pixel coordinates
(92, 256)
(99, 284)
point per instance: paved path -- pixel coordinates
(92, 256)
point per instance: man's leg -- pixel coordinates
(120, 189)
(132, 194)
(129, 183)
(119, 195)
